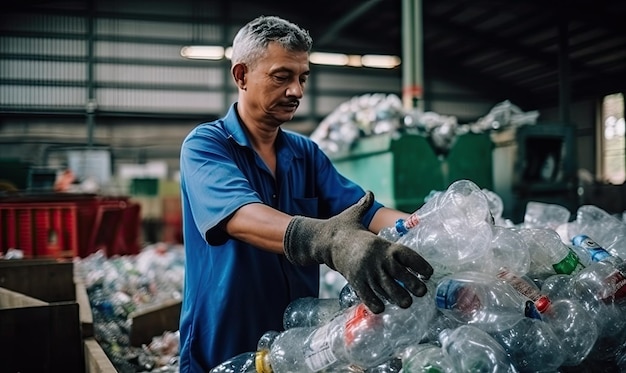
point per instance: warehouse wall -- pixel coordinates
(109, 75)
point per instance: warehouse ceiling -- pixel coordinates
(504, 49)
(536, 53)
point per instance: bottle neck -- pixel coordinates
(262, 363)
(403, 225)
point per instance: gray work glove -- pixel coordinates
(372, 265)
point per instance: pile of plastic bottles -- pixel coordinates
(546, 295)
(120, 285)
(378, 113)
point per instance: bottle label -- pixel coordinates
(319, 355)
(519, 284)
(596, 251)
(616, 283)
(569, 265)
(412, 221)
(452, 294)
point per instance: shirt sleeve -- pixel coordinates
(211, 181)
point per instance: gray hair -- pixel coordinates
(252, 40)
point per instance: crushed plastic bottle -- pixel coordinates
(571, 323)
(455, 228)
(531, 345)
(593, 251)
(606, 230)
(548, 254)
(481, 300)
(426, 358)
(310, 311)
(507, 249)
(471, 349)
(545, 215)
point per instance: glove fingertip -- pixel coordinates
(373, 303)
(376, 307)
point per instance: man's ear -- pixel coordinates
(239, 71)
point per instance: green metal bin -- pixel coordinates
(403, 170)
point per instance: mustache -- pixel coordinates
(295, 102)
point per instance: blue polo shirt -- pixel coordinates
(234, 292)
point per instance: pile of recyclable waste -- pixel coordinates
(545, 295)
(379, 113)
(117, 287)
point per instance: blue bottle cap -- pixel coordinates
(400, 228)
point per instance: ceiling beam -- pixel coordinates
(341, 23)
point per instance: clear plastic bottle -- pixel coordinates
(531, 345)
(574, 327)
(507, 249)
(354, 337)
(454, 228)
(310, 311)
(470, 349)
(558, 287)
(252, 361)
(593, 250)
(481, 300)
(393, 365)
(245, 362)
(545, 215)
(548, 254)
(605, 280)
(496, 206)
(601, 289)
(348, 297)
(606, 230)
(426, 358)
(588, 288)
(400, 228)
(440, 322)
(571, 323)
(526, 287)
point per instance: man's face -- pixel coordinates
(276, 84)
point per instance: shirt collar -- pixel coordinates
(233, 125)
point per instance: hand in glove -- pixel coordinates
(372, 265)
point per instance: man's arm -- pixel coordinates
(385, 217)
(264, 227)
(376, 268)
(259, 225)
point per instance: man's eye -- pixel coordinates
(280, 78)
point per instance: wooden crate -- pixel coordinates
(154, 321)
(96, 360)
(44, 279)
(37, 336)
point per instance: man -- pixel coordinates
(263, 207)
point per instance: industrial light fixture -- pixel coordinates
(228, 53)
(380, 61)
(210, 52)
(202, 52)
(334, 59)
(368, 60)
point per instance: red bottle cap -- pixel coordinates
(542, 303)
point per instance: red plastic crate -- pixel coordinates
(70, 226)
(39, 229)
(116, 227)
